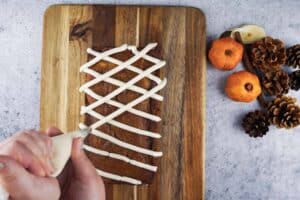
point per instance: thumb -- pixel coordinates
(12, 176)
(82, 166)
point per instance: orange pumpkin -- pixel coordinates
(225, 53)
(243, 86)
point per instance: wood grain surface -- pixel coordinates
(180, 33)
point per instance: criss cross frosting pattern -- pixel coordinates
(129, 107)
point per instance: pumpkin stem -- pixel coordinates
(248, 65)
(228, 52)
(262, 101)
(249, 87)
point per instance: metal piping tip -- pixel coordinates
(80, 133)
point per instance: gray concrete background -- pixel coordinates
(237, 167)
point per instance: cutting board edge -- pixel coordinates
(127, 5)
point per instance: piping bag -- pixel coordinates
(61, 152)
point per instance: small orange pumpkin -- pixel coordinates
(243, 86)
(225, 53)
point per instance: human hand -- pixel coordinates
(24, 163)
(32, 149)
(21, 184)
(79, 179)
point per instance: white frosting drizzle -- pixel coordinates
(125, 126)
(120, 83)
(119, 105)
(125, 144)
(119, 90)
(124, 108)
(108, 99)
(118, 178)
(130, 67)
(120, 157)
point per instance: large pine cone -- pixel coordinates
(293, 56)
(268, 54)
(295, 80)
(276, 83)
(256, 124)
(284, 113)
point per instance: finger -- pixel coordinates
(46, 185)
(26, 158)
(40, 153)
(64, 176)
(12, 176)
(82, 166)
(30, 142)
(53, 131)
(22, 185)
(42, 140)
(40, 145)
(101, 187)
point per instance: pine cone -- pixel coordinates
(283, 112)
(256, 124)
(268, 54)
(293, 56)
(276, 83)
(295, 80)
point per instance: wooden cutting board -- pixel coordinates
(180, 33)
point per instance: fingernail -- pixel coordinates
(2, 165)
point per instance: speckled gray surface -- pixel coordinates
(237, 167)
